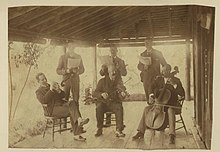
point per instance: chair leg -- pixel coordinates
(53, 131)
(162, 136)
(45, 129)
(184, 126)
(152, 136)
(60, 125)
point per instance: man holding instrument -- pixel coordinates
(174, 85)
(108, 92)
(120, 71)
(149, 65)
(52, 96)
(70, 66)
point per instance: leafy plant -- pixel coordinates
(28, 57)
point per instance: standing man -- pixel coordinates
(118, 63)
(121, 70)
(149, 65)
(71, 66)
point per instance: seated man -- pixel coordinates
(175, 86)
(109, 99)
(53, 97)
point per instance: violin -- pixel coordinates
(117, 93)
(157, 118)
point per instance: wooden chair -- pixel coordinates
(56, 122)
(113, 119)
(178, 113)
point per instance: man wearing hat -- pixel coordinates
(120, 71)
(149, 65)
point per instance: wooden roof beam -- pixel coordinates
(141, 39)
(64, 19)
(14, 12)
(123, 25)
(170, 21)
(15, 33)
(142, 44)
(150, 24)
(86, 26)
(76, 18)
(121, 21)
(45, 19)
(30, 16)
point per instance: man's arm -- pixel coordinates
(104, 70)
(40, 96)
(162, 59)
(49, 96)
(99, 89)
(179, 89)
(81, 67)
(60, 68)
(140, 66)
(122, 68)
(154, 87)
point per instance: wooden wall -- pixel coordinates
(203, 47)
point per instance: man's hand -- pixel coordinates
(151, 99)
(67, 70)
(172, 82)
(145, 67)
(72, 70)
(123, 94)
(104, 95)
(55, 87)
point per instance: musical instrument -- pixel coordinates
(157, 118)
(117, 93)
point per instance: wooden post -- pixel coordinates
(188, 67)
(188, 55)
(95, 67)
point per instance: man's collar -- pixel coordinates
(150, 50)
(46, 85)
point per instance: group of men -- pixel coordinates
(110, 91)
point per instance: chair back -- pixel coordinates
(46, 110)
(180, 102)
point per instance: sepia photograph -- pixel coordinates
(134, 77)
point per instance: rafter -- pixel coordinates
(28, 17)
(74, 20)
(94, 23)
(14, 12)
(68, 16)
(49, 17)
(170, 21)
(124, 21)
(150, 23)
(112, 24)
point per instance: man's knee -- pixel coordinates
(99, 107)
(171, 111)
(147, 109)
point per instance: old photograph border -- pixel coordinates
(4, 62)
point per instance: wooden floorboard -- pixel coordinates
(132, 115)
